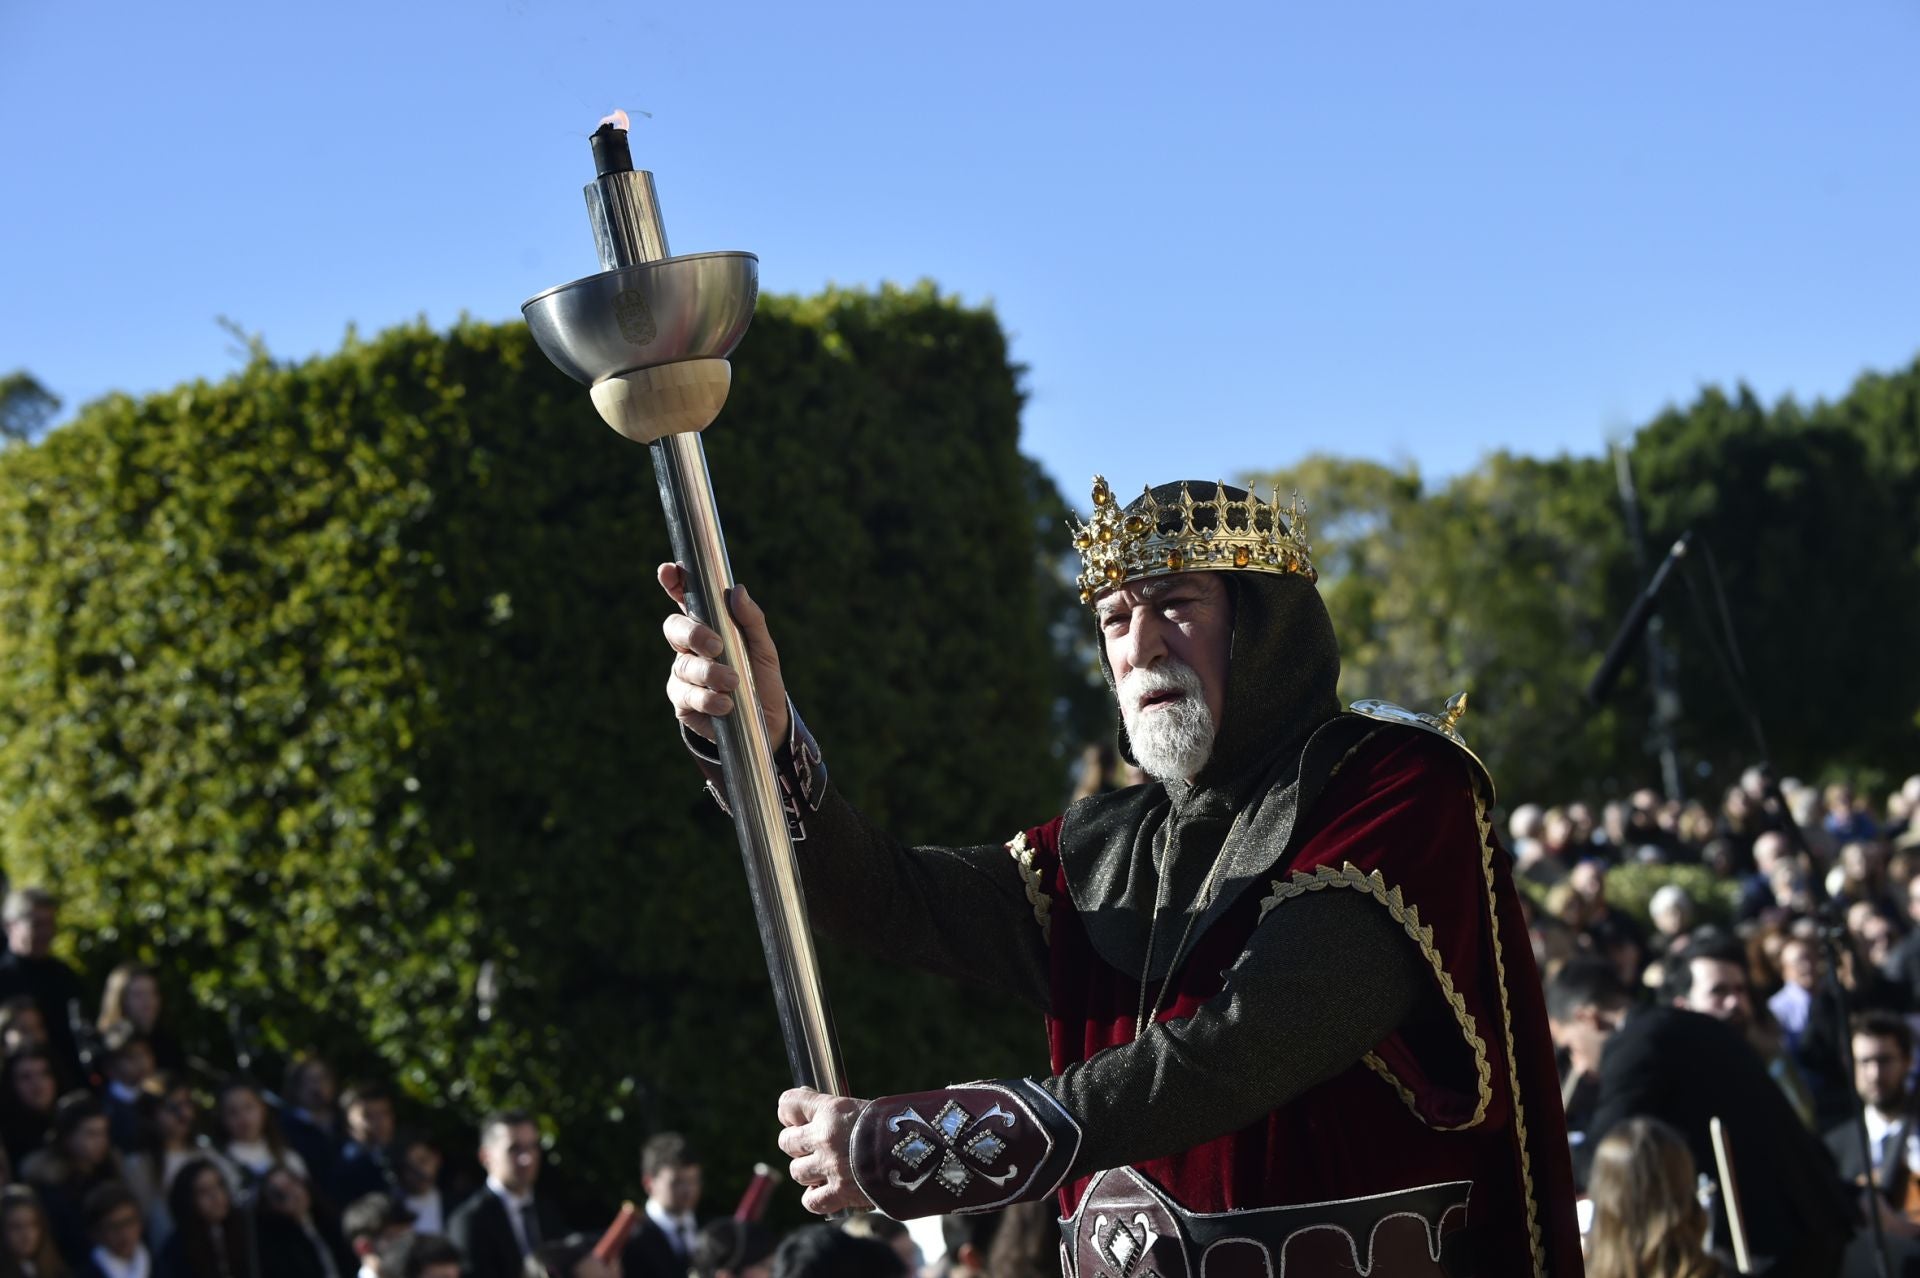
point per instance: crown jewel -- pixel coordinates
(1208, 532)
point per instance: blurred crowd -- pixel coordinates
(124, 1155)
(1758, 963)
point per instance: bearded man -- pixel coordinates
(1294, 1020)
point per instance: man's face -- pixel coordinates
(133, 1066)
(1719, 990)
(1155, 630)
(1880, 1070)
(370, 1122)
(445, 1270)
(1584, 1035)
(32, 935)
(420, 1167)
(315, 1094)
(119, 1231)
(675, 1189)
(511, 1155)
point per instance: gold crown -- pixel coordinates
(1151, 538)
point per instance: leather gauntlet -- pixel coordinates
(968, 1148)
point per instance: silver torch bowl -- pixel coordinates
(678, 308)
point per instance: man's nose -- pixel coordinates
(1146, 643)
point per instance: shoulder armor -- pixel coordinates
(1445, 724)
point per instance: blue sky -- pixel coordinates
(1221, 236)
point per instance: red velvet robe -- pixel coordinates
(1404, 820)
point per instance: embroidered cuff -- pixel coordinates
(969, 1148)
(797, 765)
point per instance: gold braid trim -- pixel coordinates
(1023, 855)
(1506, 1019)
(1408, 917)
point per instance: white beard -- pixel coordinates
(1173, 740)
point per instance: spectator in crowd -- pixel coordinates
(1792, 1004)
(113, 1223)
(1647, 1217)
(1709, 976)
(127, 1064)
(421, 1256)
(373, 1225)
(21, 1024)
(366, 1164)
(729, 1248)
(1685, 1069)
(1882, 1064)
(312, 1124)
(1672, 912)
(570, 1257)
(1903, 965)
(210, 1236)
(292, 1244)
(1027, 1244)
(871, 1224)
(967, 1239)
(1846, 819)
(1094, 774)
(504, 1221)
(821, 1251)
(663, 1245)
(32, 920)
(79, 1159)
(247, 1133)
(26, 1242)
(29, 1086)
(170, 1138)
(132, 997)
(419, 1166)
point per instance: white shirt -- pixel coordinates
(680, 1230)
(429, 1214)
(257, 1157)
(1878, 1126)
(515, 1205)
(114, 1267)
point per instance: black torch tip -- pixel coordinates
(610, 151)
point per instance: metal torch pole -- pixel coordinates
(627, 231)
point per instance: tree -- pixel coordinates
(26, 407)
(328, 685)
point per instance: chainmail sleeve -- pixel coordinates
(1318, 986)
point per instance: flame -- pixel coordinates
(618, 120)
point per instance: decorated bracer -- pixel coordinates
(968, 1148)
(797, 766)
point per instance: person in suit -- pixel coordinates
(366, 1165)
(504, 1221)
(1685, 1069)
(663, 1245)
(113, 1221)
(372, 1225)
(1882, 1060)
(128, 1065)
(310, 1119)
(32, 918)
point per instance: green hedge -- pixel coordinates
(323, 685)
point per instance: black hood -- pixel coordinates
(1280, 734)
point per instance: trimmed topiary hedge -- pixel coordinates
(325, 685)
